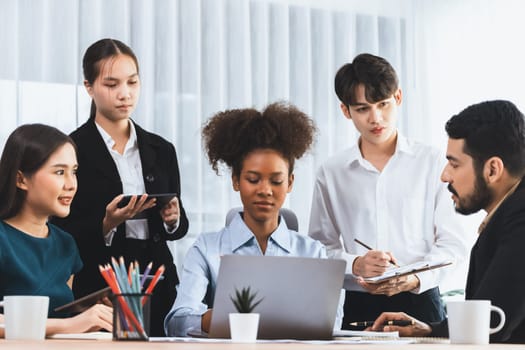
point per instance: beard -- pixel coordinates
(479, 199)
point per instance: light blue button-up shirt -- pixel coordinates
(198, 281)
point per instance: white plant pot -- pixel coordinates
(244, 327)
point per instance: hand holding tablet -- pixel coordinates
(162, 199)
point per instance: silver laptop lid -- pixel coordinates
(301, 295)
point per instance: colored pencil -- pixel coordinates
(145, 274)
(153, 282)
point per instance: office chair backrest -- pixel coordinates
(289, 217)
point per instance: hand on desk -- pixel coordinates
(392, 286)
(206, 320)
(97, 317)
(418, 329)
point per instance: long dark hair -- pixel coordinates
(98, 51)
(26, 150)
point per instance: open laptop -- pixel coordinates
(300, 295)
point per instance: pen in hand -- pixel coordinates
(402, 323)
(370, 248)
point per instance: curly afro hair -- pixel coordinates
(231, 135)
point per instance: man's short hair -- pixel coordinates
(375, 73)
(492, 129)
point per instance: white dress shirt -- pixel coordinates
(404, 209)
(129, 168)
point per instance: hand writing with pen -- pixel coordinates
(375, 263)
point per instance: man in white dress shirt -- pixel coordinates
(384, 191)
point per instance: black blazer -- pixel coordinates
(497, 268)
(98, 184)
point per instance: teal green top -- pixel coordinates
(38, 266)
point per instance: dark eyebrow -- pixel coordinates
(115, 79)
(359, 104)
(452, 158)
(366, 104)
(63, 165)
(272, 174)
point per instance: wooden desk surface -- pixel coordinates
(108, 344)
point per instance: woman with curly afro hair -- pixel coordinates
(260, 148)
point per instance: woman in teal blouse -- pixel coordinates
(38, 180)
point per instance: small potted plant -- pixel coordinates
(244, 324)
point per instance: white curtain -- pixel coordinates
(468, 51)
(198, 57)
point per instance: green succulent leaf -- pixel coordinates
(244, 300)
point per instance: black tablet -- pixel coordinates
(85, 302)
(162, 199)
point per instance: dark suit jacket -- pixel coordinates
(497, 268)
(98, 184)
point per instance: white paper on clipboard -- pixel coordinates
(405, 270)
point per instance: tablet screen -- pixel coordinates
(162, 199)
(85, 302)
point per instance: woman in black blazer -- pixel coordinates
(117, 156)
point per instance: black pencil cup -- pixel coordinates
(131, 316)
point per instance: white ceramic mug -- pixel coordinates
(25, 316)
(469, 321)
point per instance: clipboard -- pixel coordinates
(84, 303)
(406, 270)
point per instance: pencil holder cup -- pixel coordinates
(131, 316)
